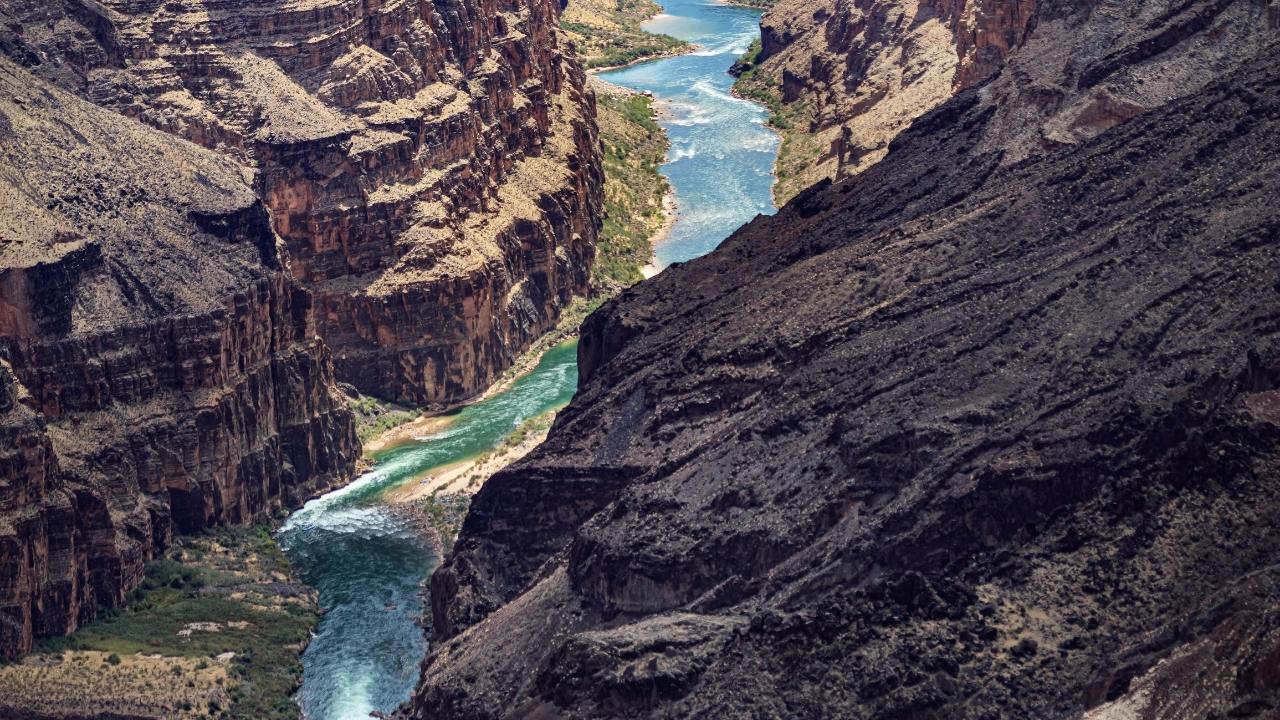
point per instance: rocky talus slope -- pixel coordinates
(159, 370)
(855, 73)
(970, 434)
(431, 166)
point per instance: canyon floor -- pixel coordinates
(214, 631)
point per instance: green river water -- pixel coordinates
(368, 562)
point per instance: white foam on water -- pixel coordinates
(355, 702)
(685, 115)
(708, 216)
(726, 44)
(705, 87)
(763, 142)
(316, 511)
(681, 151)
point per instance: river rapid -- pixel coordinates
(720, 164)
(367, 561)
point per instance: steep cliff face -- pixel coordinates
(159, 371)
(857, 72)
(957, 437)
(431, 166)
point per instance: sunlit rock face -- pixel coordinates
(159, 369)
(431, 167)
(985, 431)
(865, 69)
(399, 195)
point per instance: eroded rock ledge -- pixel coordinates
(954, 438)
(863, 70)
(159, 371)
(431, 166)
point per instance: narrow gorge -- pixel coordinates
(221, 220)
(587, 359)
(362, 546)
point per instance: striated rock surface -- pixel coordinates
(159, 370)
(855, 73)
(431, 166)
(957, 437)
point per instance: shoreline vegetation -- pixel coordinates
(215, 631)
(639, 211)
(797, 149)
(606, 34)
(639, 202)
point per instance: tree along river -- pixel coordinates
(367, 561)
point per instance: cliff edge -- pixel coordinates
(975, 433)
(432, 167)
(159, 371)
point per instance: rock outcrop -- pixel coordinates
(988, 430)
(159, 369)
(862, 70)
(431, 166)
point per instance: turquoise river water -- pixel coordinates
(367, 562)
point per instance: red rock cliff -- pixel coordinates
(431, 166)
(159, 370)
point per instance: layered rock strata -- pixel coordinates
(860, 71)
(431, 166)
(159, 369)
(957, 437)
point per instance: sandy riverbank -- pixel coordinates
(670, 209)
(467, 476)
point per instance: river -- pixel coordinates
(368, 562)
(721, 160)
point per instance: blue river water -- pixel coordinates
(367, 562)
(721, 160)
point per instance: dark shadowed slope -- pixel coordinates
(951, 439)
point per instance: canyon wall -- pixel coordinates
(856, 72)
(432, 167)
(159, 369)
(988, 430)
(397, 194)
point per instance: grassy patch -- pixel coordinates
(606, 33)
(798, 149)
(613, 46)
(633, 149)
(374, 416)
(229, 591)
